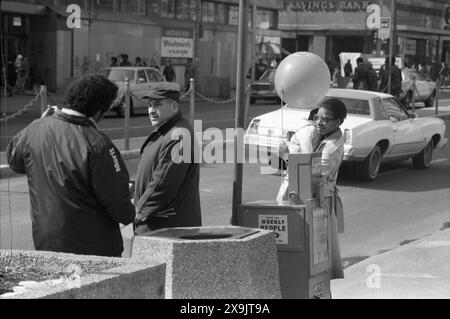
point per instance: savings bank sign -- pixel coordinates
(324, 5)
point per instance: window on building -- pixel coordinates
(168, 9)
(233, 15)
(182, 9)
(154, 8)
(133, 6)
(264, 19)
(193, 10)
(104, 5)
(208, 11)
(221, 13)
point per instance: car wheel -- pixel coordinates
(430, 101)
(369, 168)
(252, 100)
(423, 159)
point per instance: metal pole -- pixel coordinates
(240, 107)
(391, 43)
(253, 47)
(414, 94)
(198, 17)
(43, 98)
(192, 99)
(247, 103)
(127, 115)
(436, 97)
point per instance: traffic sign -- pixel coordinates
(385, 28)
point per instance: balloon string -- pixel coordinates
(282, 130)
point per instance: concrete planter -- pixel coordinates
(214, 262)
(106, 278)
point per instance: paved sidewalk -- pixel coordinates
(418, 270)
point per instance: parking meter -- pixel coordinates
(301, 227)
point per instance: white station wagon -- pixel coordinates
(378, 129)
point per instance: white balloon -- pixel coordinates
(302, 79)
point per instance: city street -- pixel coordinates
(402, 205)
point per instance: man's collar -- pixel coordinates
(76, 113)
(166, 125)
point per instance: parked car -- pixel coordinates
(425, 89)
(378, 129)
(264, 88)
(141, 79)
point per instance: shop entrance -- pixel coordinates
(346, 44)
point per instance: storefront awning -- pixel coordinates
(23, 8)
(271, 48)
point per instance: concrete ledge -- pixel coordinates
(6, 172)
(123, 278)
(214, 262)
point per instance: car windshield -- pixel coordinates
(118, 75)
(354, 106)
(268, 75)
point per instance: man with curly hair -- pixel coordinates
(77, 179)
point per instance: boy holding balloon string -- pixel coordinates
(302, 79)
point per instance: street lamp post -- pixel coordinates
(392, 40)
(240, 109)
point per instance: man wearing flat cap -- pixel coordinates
(167, 187)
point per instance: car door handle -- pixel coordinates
(394, 130)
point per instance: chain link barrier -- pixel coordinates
(198, 94)
(22, 110)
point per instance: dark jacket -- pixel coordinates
(396, 80)
(372, 80)
(169, 73)
(78, 185)
(167, 190)
(348, 69)
(360, 77)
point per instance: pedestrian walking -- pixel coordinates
(372, 78)
(78, 181)
(124, 60)
(167, 186)
(114, 62)
(139, 62)
(188, 74)
(444, 74)
(396, 78)
(169, 72)
(348, 69)
(360, 76)
(22, 75)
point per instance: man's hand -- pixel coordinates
(49, 111)
(138, 222)
(283, 150)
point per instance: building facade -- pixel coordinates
(155, 30)
(329, 27)
(158, 30)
